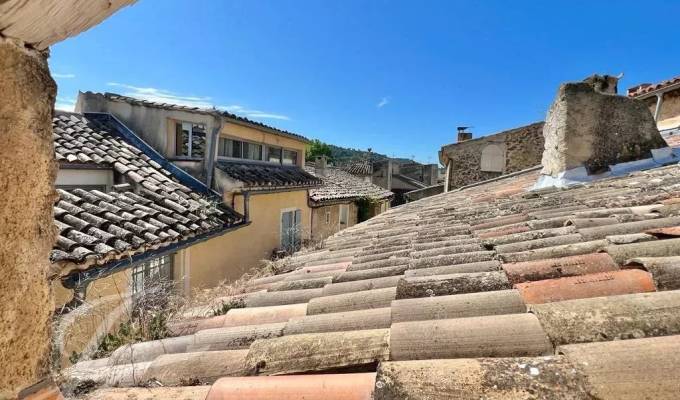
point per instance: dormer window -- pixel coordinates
(189, 139)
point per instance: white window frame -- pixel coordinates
(328, 217)
(299, 224)
(235, 139)
(191, 136)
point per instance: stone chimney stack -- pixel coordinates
(589, 127)
(320, 165)
(463, 135)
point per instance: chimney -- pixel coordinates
(463, 135)
(588, 129)
(320, 165)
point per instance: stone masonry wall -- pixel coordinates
(27, 232)
(523, 148)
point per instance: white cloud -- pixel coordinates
(65, 104)
(63, 76)
(383, 102)
(166, 96)
(250, 113)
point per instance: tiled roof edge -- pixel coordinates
(226, 114)
(81, 277)
(493, 134)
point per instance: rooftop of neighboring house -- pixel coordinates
(154, 206)
(212, 111)
(647, 88)
(360, 167)
(262, 175)
(339, 185)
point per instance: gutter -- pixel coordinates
(73, 281)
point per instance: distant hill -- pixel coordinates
(343, 155)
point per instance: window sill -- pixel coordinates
(184, 158)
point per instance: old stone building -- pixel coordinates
(343, 200)
(473, 160)
(395, 175)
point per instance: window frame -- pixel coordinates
(297, 239)
(180, 123)
(264, 151)
(341, 207)
(243, 143)
(164, 268)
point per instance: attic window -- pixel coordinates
(189, 139)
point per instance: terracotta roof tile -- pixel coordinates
(487, 291)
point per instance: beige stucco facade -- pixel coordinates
(669, 112)
(231, 129)
(229, 256)
(226, 257)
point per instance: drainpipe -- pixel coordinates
(659, 102)
(246, 206)
(448, 175)
(210, 161)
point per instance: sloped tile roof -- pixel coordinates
(341, 185)
(647, 87)
(153, 211)
(177, 107)
(263, 175)
(361, 167)
(488, 291)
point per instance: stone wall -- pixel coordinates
(586, 128)
(27, 232)
(522, 148)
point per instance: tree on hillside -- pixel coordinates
(318, 148)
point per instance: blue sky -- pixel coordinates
(397, 76)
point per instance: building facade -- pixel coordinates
(343, 200)
(663, 101)
(130, 224)
(256, 168)
(474, 160)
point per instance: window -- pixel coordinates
(344, 214)
(328, 217)
(274, 154)
(152, 275)
(289, 157)
(239, 149)
(291, 234)
(493, 159)
(189, 139)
